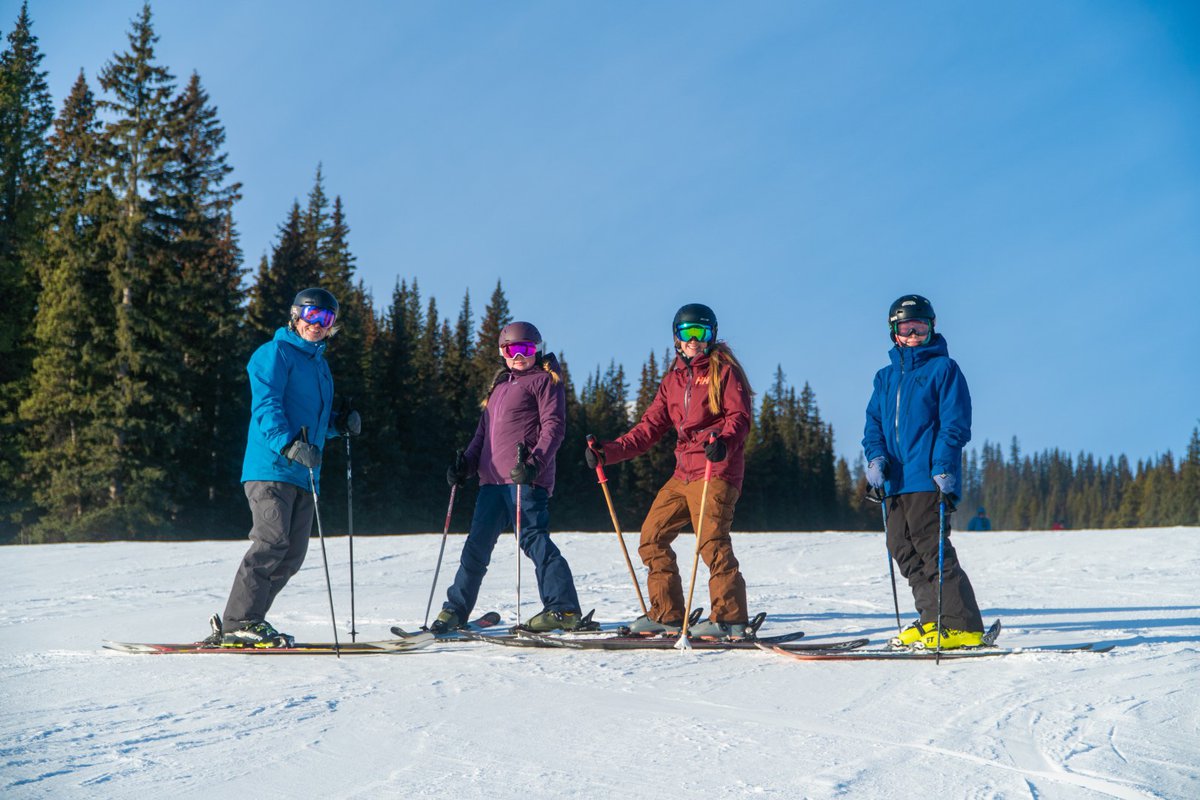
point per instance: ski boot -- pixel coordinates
(447, 621)
(910, 635)
(553, 620)
(718, 631)
(217, 636)
(644, 626)
(257, 634)
(951, 639)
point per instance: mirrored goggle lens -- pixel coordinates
(912, 327)
(694, 333)
(526, 349)
(314, 315)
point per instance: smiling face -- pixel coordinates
(692, 348)
(310, 332)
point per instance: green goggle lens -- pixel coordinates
(694, 333)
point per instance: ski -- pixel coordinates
(389, 646)
(527, 639)
(929, 655)
(489, 620)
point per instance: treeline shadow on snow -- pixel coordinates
(1115, 618)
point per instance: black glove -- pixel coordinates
(351, 424)
(308, 455)
(715, 450)
(593, 456)
(346, 421)
(524, 472)
(458, 472)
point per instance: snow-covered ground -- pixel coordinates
(475, 720)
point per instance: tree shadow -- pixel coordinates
(1113, 618)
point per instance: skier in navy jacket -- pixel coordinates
(918, 420)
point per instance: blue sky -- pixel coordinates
(1030, 167)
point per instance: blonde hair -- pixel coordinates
(719, 354)
(555, 377)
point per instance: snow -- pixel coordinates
(475, 720)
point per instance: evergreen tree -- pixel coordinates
(152, 408)
(293, 267)
(207, 257)
(26, 113)
(72, 402)
(487, 358)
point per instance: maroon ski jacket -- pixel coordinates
(682, 403)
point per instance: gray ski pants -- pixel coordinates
(283, 517)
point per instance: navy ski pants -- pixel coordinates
(494, 512)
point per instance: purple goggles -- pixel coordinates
(314, 315)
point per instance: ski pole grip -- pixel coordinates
(522, 452)
(712, 437)
(600, 476)
(304, 433)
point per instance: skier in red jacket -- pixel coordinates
(704, 392)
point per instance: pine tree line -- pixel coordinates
(1050, 489)
(123, 400)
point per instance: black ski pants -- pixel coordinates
(283, 518)
(912, 539)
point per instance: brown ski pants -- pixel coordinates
(676, 505)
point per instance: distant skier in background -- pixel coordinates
(918, 421)
(291, 388)
(526, 405)
(705, 391)
(980, 521)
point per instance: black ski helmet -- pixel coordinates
(316, 297)
(910, 306)
(695, 313)
(520, 332)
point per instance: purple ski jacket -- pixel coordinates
(529, 407)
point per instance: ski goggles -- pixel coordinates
(694, 332)
(315, 315)
(524, 349)
(912, 327)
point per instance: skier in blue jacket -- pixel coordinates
(918, 420)
(291, 389)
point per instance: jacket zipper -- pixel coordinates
(899, 384)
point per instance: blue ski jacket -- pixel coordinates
(919, 418)
(290, 387)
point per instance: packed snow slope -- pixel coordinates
(472, 720)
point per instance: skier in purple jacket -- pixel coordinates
(524, 413)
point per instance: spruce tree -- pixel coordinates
(487, 358)
(153, 406)
(26, 113)
(293, 266)
(207, 257)
(72, 404)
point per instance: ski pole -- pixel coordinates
(312, 482)
(941, 561)
(350, 532)
(683, 643)
(442, 550)
(521, 452)
(602, 479)
(877, 496)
